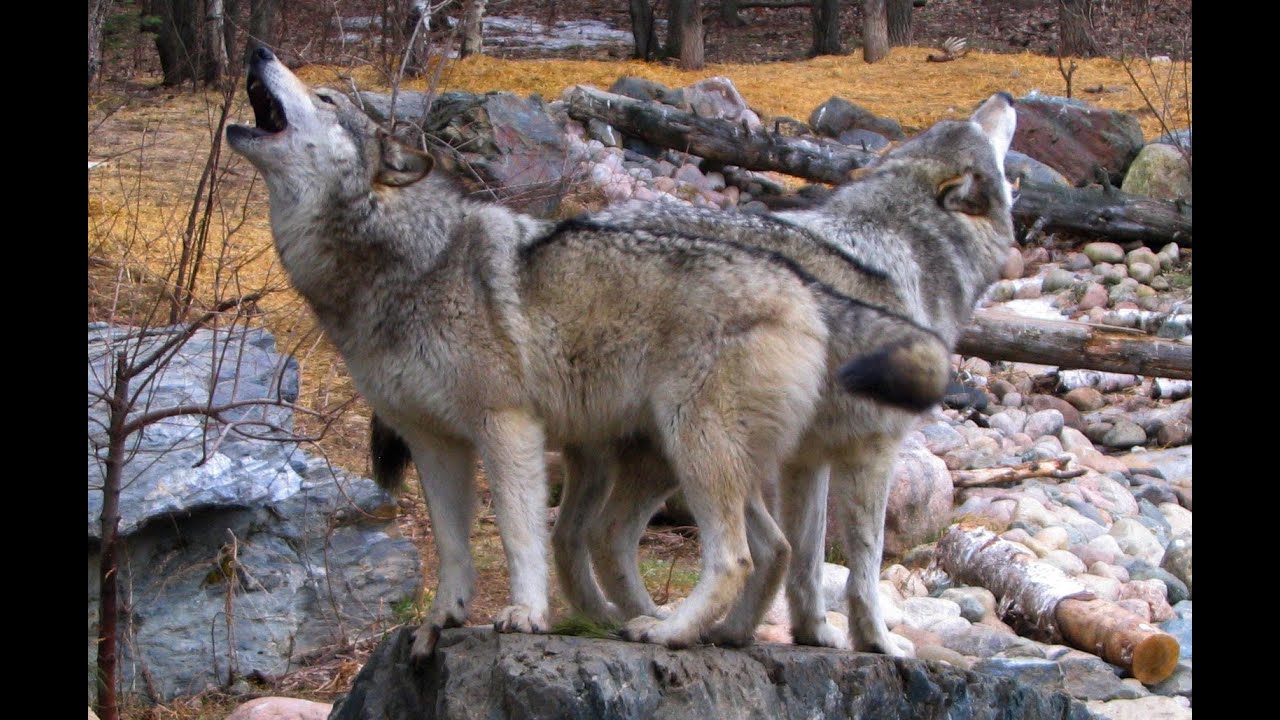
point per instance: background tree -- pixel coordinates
(684, 33)
(729, 13)
(642, 29)
(472, 28)
(900, 22)
(98, 11)
(875, 30)
(1075, 28)
(826, 27)
(263, 19)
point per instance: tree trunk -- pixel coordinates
(1067, 344)
(642, 29)
(177, 41)
(729, 13)
(826, 27)
(108, 571)
(98, 11)
(1075, 28)
(472, 27)
(216, 63)
(262, 26)
(899, 23)
(1042, 599)
(875, 30)
(684, 33)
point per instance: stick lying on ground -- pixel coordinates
(1042, 598)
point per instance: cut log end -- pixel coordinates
(1155, 658)
(1119, 637)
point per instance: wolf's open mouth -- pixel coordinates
(268, 113)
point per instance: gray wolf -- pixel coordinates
(474, 331)
(921, 233)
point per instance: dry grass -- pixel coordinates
(904, 86)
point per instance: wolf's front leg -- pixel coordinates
(512, 449)
(860, 487)
(446, 469)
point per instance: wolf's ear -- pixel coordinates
(400, 165)
(964, 193)
(998, 120)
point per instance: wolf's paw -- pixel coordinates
(424, 641)
(723, 634)
(822, 634)
(520, 618)
(889, 644)
(647, 629)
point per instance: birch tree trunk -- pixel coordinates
(472, 29)
(217, 64)
(98, 11)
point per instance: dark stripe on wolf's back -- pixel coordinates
(583, 222)
(575, 224)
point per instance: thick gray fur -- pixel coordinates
(474, 331)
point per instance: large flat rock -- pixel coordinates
(477, 673)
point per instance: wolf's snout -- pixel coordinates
(263, 55)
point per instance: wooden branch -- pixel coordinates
(1041, 597)
(1115, 215)
(1055, 469)
(996, 335)
(714, 139)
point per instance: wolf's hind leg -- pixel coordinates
(716, 476)
(770, 553)
(446, 469)
(643, 481)
(585, 490)
(860, 487)
(804, 519)
(512, 449)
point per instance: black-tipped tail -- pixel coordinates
(910, 374)
(388, 454)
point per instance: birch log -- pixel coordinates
(1041, 598)
(1001, 336)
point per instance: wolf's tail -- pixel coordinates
(910, 373)
(388, 454)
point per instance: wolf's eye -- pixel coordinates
(326, 99)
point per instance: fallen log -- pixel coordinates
(812, 158)
(1040, 599)
(995, 335)
(1116, 215)
(1112, 214)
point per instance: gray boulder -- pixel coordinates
(477, 673)
(317, 561)
(838, 115)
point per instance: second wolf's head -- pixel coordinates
(315, 142)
